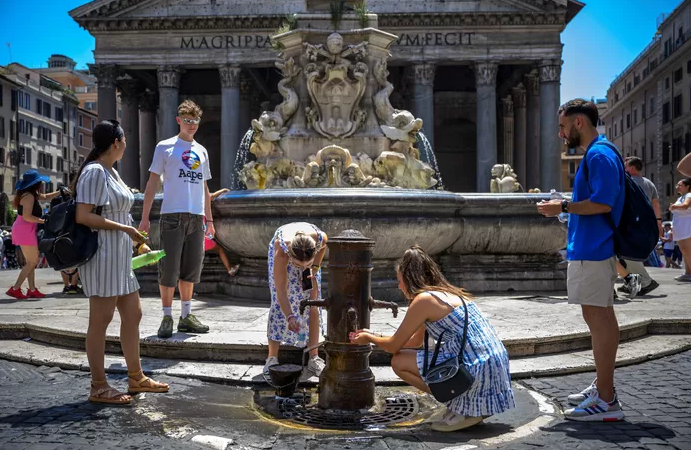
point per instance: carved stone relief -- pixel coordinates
(230, 76)
(550, 71)
(485, 74)
(169, 76)
(519, 96)
(424, 74)
(106, 74)
(532, 84)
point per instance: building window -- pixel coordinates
(2, 127)
(2, 183)
(665, 153)
(667, 83)
(93, 124)
(572, 167)
(58, 138)
(39, 106)
(652, 105)
(668, 189)
(81, 140)
(64, 153)
(652, 177)
(678, 75)
(643, 111)
(677, 106)
(665, 113)
(90, 106)
(635, 116)
(609, 131)
(1, 94)
(81, 121)
(27, 101)
(571, 183)
(46, 109)
(652, 151)
(615, 130)
(628, 121)
(27, 155)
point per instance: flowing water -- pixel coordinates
(427, 156)
(242, 157)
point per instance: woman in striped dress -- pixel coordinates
(108, 278)
(436, 306)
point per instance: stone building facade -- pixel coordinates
(649, 104)
(571, 157)
(484, 75)
(8, 130)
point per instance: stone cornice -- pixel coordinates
(272, 22)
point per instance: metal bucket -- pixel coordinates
(284, 378)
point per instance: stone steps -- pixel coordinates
(38, 353)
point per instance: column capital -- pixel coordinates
(106, 74)
(518, 93)
(532, 83)
(148, 101)
(423, 74)
(550, 70)
(230, 76)
(485, 73)
(507, 104)
(169, 76)
(130, 90)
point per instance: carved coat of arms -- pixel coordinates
(336, 82)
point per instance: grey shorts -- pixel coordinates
(591, 283)
(182, 238)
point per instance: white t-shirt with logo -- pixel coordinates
(184, 167)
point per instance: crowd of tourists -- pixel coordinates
(437, 310)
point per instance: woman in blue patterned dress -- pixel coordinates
(295, 247)
(436, 306)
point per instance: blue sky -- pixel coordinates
(598, 44)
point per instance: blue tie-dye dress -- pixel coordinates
(484, 356)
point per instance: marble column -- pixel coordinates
(148, 103)
(507, 130)
(550, 143)
(422, 105)
(106, 74)
(532, 141)
(169, 99)
(486, 154)
(519, 128)
(230, 122)
(129, 164)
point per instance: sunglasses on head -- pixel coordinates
(187, 121)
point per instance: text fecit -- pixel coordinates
(224, 42)
(435, 39)
(192, 175)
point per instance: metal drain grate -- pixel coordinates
(395, 410)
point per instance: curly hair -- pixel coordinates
(189, 108)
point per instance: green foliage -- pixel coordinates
(290, 23)
(11, 216)
(337, 8)
(361, 12)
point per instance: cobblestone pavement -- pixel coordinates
(656, 397)
(46, 409)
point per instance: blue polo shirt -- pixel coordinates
(591, 238)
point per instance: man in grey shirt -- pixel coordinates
(637, 280)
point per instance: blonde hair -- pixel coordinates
(302, 248)
(420, 273)
(189, 108)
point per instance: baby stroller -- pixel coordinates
(11, 260)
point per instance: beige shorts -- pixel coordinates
(591, 283)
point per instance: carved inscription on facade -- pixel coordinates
(225, 41)
(435, 39)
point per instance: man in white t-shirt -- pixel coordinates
(183, 164)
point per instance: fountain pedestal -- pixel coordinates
(347, 383)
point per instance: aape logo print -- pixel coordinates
(191, 161)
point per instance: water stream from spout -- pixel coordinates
(427, 156)
(242, 157)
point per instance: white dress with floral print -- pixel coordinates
(277, 329)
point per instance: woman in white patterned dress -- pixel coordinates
(108, 278)
(436, 306)
(294, 248)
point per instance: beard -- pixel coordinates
(573, 140)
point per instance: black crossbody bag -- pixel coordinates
(449, 379)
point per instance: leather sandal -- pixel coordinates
(151, 385)
(108, 394)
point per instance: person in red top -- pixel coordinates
(210, 244)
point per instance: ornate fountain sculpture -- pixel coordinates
(329, 132)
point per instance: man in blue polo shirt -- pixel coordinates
(590, 251)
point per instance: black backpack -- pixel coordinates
(65, 243)
(637, 234)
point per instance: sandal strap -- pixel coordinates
(99, 392)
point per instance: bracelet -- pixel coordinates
(209, 221)
(660, 219)
(315, 267)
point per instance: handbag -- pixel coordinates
(451, 378)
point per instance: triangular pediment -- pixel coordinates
(136, 9)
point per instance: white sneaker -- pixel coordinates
(270, 361)
(594, 409)
(683, 278)
(455, 422)
(577, 399)
(316, 365)
(634, 285)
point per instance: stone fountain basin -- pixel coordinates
(486, 242)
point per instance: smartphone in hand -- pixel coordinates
(306, 280)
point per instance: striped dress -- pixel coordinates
(109, 273)
(484, 356)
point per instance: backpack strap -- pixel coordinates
(584, 165)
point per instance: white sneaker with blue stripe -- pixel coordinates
(577, 399)
(594, 409)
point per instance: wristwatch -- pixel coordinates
(565, 206)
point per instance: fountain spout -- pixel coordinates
(318, 303)
(375, 304)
